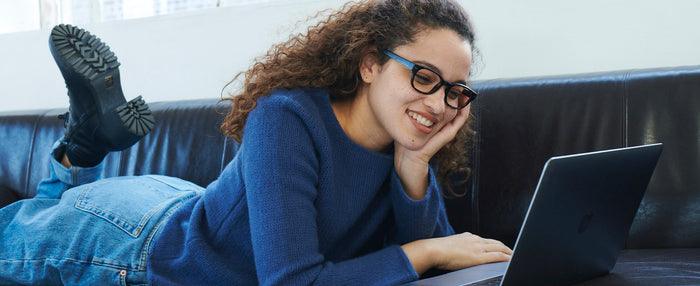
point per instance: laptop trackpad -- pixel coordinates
(466, 276)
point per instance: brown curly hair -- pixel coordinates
(328, 56)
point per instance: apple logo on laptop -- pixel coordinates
(585, 221)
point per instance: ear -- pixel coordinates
(370, 66)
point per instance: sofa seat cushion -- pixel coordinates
(679, 266)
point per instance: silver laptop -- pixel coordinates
(577, 222)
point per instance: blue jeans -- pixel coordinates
(84, 230)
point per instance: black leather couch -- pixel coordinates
(520, 123)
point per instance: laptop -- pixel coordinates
(577, 222)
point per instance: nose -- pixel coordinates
(436, 102)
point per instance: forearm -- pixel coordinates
(420, 255)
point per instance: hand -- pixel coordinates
(412, 165)
(465, 250)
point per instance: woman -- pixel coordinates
(331, 184)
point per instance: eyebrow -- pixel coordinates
(434, 68)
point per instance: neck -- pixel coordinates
(359, 123)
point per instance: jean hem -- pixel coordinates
(74, 175)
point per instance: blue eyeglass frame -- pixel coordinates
(416, 67)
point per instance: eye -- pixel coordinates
(426, 77)
(453, 94)
(422, 79)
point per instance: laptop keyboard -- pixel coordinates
(495, 281)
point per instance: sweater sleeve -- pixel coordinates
(281, 172)
(418, 219)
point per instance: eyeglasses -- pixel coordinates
(427, 81)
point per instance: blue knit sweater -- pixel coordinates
(299, 204)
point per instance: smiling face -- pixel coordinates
(405, 115)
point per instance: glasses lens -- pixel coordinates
(459, 96)
(425, 80)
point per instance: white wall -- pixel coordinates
(193, 55)
(170, 57)
(545, 37)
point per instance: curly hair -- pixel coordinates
(328, 56)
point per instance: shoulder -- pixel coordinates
(291, 111)
(296, 99)
(290, 105)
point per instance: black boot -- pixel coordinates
(99, 120)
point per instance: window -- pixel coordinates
(23, 15)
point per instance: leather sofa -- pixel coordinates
(519, 124)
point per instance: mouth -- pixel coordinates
(422, 122)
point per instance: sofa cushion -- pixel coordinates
(653, 267)
(521, 123)
(185, 143)
(16, 138)
(664, 106)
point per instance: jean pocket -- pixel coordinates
(128, 202)
(176, 183)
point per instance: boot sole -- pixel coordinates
(86, 61)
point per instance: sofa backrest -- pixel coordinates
(185, 143)
(520, 123)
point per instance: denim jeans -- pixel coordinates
(83, 230)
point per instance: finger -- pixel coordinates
(449, 130)
(490, 257)
(461, 118)
(497, 248)
(493, 241)
(496, 242)
(446, 133)
(456, 123)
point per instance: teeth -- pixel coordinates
(420, 119)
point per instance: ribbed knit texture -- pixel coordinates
(300, 204)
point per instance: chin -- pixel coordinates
(411, 142)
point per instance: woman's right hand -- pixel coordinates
(455, 252)
(465, 250)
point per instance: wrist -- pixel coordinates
(421, 254)
(414, 181)
(411, 164)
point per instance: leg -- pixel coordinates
(73, 232)
(62, 178)
(95, 234)
(100, 120)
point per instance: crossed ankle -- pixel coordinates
(83, 156)
(65, 161)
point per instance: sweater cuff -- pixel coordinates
(399, 193)
(406, 263)
(388, 266)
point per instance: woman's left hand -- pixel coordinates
(412, 165)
